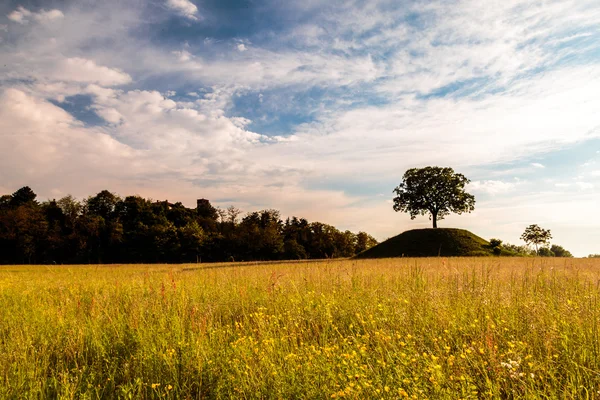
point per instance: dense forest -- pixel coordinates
(106, 228)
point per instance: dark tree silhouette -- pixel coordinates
(537, 236)
(108, 228)
(434, 190)
(22, 196)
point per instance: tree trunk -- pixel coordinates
(434, 218)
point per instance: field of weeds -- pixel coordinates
(415, 328)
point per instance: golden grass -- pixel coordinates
(417, 328)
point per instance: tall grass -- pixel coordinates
(393, 328)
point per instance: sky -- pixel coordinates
(315, 108)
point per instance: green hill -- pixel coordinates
(446, 242)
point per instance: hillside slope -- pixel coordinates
(446, 242)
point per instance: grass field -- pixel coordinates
(392, 328)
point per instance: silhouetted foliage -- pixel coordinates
(434, 190)
(106, 228)
(545, 252)
(560, 251)
(495, 243)
(516, 250)
(537, 236)
(22, 196)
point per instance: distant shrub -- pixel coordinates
(545, 252)
(495, 242)
(560, 251)
(518, 251)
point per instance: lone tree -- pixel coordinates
(537, 236)
(435, 190)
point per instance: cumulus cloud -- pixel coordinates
(87, 71)
(185, 8)
(42, 142)
(538, 165)
(492, 187)
(22, 15)
(183, 55)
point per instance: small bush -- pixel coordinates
(495, 242)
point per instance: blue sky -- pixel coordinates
(315, 108)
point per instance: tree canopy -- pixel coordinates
(537, 236)
(434, 190)
(560, 251)
(107, 228)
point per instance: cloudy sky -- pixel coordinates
(313, 107)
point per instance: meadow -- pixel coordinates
(430, 328)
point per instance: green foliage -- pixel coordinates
(560, 251)
(106, 228)
(23, 196)
(496, 245)
(519, 251)
(377, 329)
(102, 205)
(537, 236)
(364, 241)
(445, 242)
(495, 242)
(434, 190)
(594, 256)
(545, 252)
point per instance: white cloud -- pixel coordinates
(183, 55)
(19, 15)
(537, 165)
(185, 8)
(595, 173)
(579, 185)
(48, 15)
(584, 185)
(371, 140)
(87, 71)
(492, 187)
(42, 141)
(22, 15)
(242, 47)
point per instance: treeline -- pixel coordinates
(106, 228)
(507, 249)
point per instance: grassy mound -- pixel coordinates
(446, 242)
